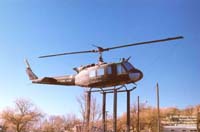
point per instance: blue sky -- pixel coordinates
(30, 28)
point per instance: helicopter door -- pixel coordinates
(121, 75)
(96, 76)
(100, 72)
(100, 75)
(120, 69)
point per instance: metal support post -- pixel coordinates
(88, 111)
(104, 112)
(128, 111)
(115, 111)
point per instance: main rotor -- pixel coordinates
(100, 50)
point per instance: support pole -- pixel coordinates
(115, 91)
(128, 111)
(115, 111)
(88, 111)
(104, 112)
(158, 108)
(138, 114)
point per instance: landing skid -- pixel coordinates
(121, 88)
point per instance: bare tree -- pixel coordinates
(3, 126)
(71, 122)
(82, 103)
(59, 123)
(147, 117)
(95, 111)
(22, 117)
(53, 124)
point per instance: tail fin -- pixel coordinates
(29, 71)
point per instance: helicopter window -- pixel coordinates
(92, 73)
(128, 66)
(120, 69)
(109, 70)
(100, 72)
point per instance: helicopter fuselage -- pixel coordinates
(94, 76)
(107, 75)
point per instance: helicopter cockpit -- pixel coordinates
(134, 74)
(129, 67)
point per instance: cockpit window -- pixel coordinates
(128, 66)
(120, 69)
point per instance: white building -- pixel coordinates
(180, 124)
(179, 129)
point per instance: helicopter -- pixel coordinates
(97, 75)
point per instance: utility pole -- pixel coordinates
(138, 114)
(158, 108)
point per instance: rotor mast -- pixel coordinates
(100, 50)
(101, 57)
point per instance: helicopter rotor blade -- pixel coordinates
(100, 49)
(68, 53)
(146, 42)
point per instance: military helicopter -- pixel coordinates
(100, 75)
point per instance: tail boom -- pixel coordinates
(61, 80)
(67, 80)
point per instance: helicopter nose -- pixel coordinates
(136, 75)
